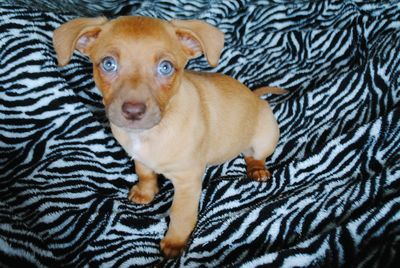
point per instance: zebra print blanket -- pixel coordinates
(333, 200)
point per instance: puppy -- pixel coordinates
(171, 121)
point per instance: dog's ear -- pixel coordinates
(198, 37)
(76, 34)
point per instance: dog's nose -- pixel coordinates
(133, 111)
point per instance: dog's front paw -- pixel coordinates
(259, 174)
(172, 248)
(139, 196)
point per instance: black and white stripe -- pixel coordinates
(333, 198)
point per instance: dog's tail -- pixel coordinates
(273, 90)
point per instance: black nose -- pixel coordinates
(133, 111)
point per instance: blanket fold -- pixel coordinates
(334, 196)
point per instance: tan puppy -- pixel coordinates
(171, 121)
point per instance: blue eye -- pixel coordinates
(165, 68)
(109, 64)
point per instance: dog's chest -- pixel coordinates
(148, 149)
(135, 148)
(153, 154)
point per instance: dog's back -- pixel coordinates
(231, 112)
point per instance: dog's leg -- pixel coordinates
(147, 187)
(183, 215)
(256, 169)
(263, 145)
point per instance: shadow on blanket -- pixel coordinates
(334, 196)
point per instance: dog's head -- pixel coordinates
(137, 61)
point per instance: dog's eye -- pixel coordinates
(109, 64)
(165, 68)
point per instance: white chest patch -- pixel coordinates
(136, 146)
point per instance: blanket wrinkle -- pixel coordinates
(334, 193)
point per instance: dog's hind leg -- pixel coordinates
(256, 169)
(263, 145)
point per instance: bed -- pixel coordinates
(334, 196)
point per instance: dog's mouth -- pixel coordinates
(132, 115)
